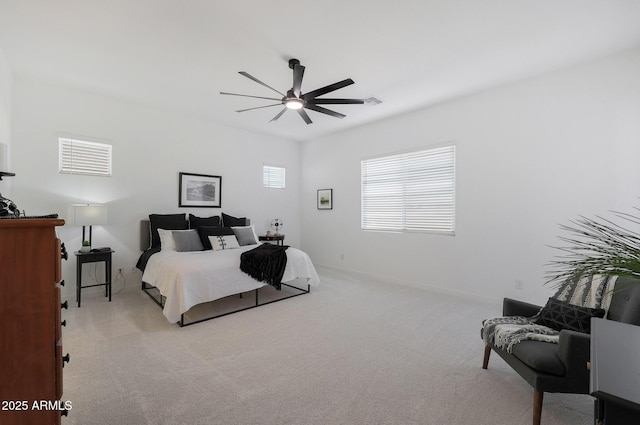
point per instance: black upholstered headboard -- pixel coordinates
(145, 235)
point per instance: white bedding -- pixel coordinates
(190, 278)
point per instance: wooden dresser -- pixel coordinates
(31, 358)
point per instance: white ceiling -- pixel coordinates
(179, 55)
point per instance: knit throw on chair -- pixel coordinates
(592, 292)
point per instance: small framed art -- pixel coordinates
(325, 199)
(199, 190)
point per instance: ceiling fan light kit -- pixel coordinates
(298, 101)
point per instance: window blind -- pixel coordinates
(273, 177)
(412, 191)
(84, 157)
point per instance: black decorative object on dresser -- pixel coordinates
(31, 356)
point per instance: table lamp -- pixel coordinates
(87, 215)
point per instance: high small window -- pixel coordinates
(273, 177)
(412, 191)
(84, 157)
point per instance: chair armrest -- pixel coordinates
(511, 307)
(574, 352)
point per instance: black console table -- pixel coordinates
(93, 257)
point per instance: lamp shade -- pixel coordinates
(86, 214)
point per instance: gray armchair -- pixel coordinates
(562, 367)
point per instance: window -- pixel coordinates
(273, 177)
(412, 191)
(84, 157)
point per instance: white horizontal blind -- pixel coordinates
(273, 177)
(83, 157)
(413, 191)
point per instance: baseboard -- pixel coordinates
(414, 284)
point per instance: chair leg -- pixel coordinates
(537, 406)
(487, 353)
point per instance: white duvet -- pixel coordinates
(190, 278)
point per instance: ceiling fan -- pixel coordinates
(298, 101)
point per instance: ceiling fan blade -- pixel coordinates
(304, 116)
(251, 77)
(327, 89)
(258, 107)
(298, 72)
(335, 101)
(324, 110)
(279, 115)
(246, 95)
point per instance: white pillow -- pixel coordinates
(218, 243)
(166, 239)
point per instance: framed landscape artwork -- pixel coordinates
(325, 199)
(199, 190)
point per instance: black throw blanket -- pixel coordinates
(265, 263)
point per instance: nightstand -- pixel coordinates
(93, 257)
(279, 239)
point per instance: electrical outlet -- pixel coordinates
(519, 284)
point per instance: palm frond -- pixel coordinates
(597, 246)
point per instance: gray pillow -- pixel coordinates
(244, 235)
(187, 241)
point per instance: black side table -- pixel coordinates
(279, 239)
(93, 257)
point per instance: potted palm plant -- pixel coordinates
(599, 246)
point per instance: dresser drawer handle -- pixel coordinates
(62, 282)
(63, 252)
(66, 358)
(64, 322)
(64, 412)
(65, 305)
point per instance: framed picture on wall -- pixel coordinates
(325, 199)
(199, 190)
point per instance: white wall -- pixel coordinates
(5, 119)
(150, 148)
(530, 156)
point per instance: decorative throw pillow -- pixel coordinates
(206, 231)
(166, 240)
(165, 221)
(246, 235)
(230, 221)
(219, 243)
(187, 240)
(560, 315)
(195, 222)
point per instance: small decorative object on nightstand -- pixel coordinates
(277, 224)
(86, 246)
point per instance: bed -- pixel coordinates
(199, 283)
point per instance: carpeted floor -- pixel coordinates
(354, 351)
